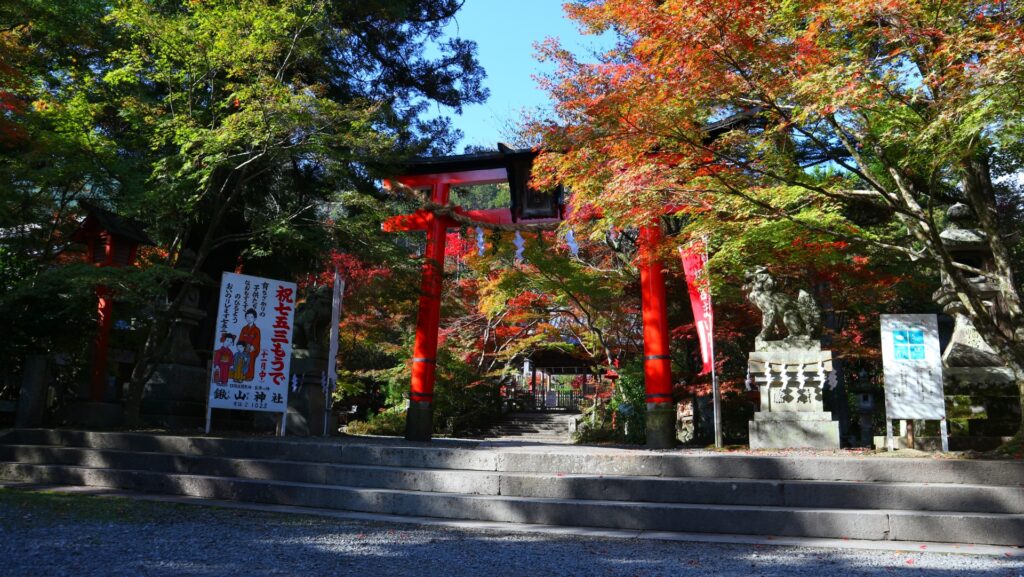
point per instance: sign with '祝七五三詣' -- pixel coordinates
(253, 344)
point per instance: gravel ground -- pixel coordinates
(82, 536)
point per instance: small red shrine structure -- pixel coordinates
(111, 240)
(438, 175)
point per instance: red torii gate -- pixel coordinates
(438, 175)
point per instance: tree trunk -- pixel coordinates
(159, 332)
(1001, 334)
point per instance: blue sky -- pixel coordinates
(505, 32)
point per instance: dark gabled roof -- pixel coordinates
(741, 120)
(115, 224)
(506, 156)
(500, 158)
(560, 359)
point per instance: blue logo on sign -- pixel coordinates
(908, 345)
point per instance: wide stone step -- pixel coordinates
(307, 450)
(531, 431)
(538, 426)
(774, 493)
(551, 460)
(907, 525)
(528, 441)
(806, 494)
(544, 426)
(537, 436)
(560, 428)
(667, 464)
(434, 480)
(540, 439)
(559, 419)
(539, 432)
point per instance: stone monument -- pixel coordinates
(175, 396)
(969, 366)
(790, 371)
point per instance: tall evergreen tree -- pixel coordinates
(225, 125)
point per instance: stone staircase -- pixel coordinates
(936, 500)
(547, 427)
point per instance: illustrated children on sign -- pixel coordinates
(241, 363)
(223, 359)
(250, 337)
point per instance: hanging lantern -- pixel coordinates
(527, 202)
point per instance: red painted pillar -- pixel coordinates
(657, 362)
(98, 388)
(419, 419)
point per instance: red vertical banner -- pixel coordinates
(695, 260)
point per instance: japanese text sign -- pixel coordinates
(912, 363)
(253, 344)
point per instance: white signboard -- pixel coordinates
(253, 345)
(912, 364)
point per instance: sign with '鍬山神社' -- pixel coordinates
(912, 363)
(253, 344)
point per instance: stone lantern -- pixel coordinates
(970, 366)
(112, 241)
(175, 394)
(865, 392)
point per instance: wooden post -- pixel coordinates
(98, 385)
(657, 362)
(419, 419)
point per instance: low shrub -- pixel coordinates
(389, 422)
(628, 407)
(595, 426)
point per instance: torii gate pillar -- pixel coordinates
(419, 421)
(661, 413)
(439, 174)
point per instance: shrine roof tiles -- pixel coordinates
(115, 224)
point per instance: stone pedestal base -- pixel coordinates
(175, 397)
(791, 375)
(794, 431)
(419, 421)
(993, 388)
(979, 381)
(661, 426)
(307, 405)
(306, 410)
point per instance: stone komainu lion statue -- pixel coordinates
(313, 322)
(801, 316)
